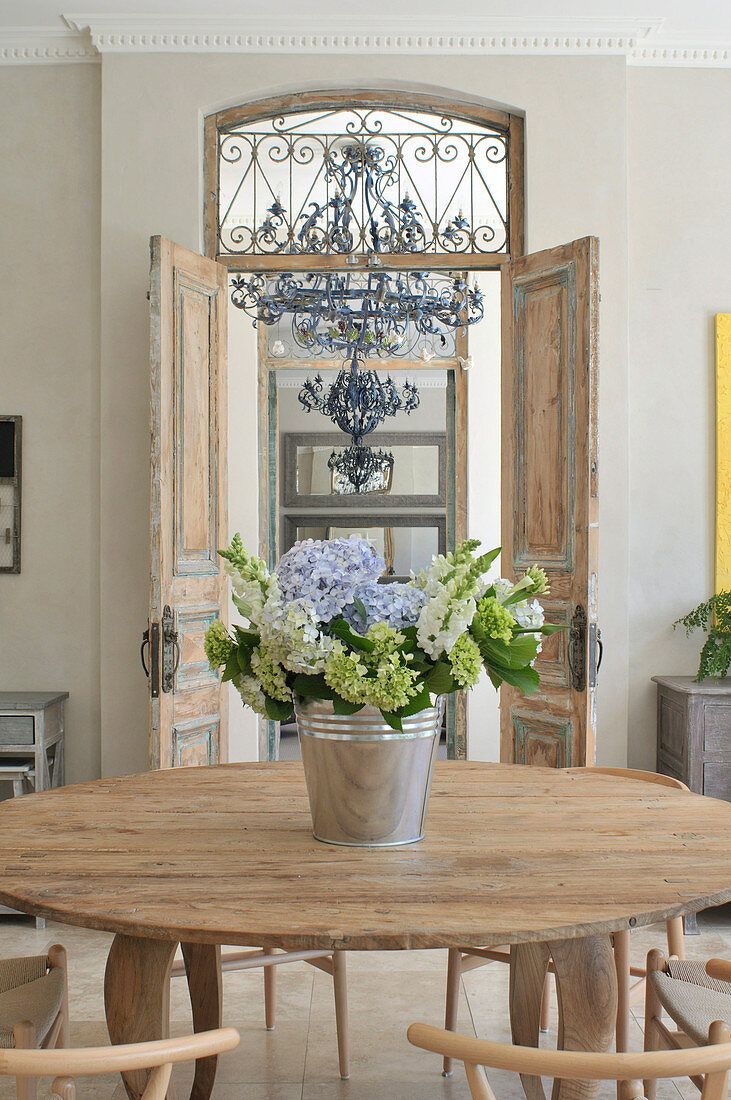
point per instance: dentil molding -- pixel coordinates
(640, 41)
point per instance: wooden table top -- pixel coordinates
(226, 855)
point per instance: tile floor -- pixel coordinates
(298, 1060)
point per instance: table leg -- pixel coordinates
(203, 969)
(528, 967)
(137, 996)
(586, 987)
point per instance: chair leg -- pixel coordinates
(63, 1087)
(57, 958)
(270, 993)
(340, 986)
(454, 973)
(545, 1004)
(653, 1010)
(24, 1037)
(676, 939)
(622, 965)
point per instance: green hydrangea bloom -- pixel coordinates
(270, 674)
(386, 640)
(345, 673)
(218, 644)
(495, 620)
(466, 661)
(393, 684)
(539, 578)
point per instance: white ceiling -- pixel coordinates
(681, 19)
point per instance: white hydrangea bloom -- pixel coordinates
(292, 634)
(250, 692)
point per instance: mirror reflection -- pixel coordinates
(415, 471)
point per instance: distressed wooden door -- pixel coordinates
(549, 478)
(188, 504)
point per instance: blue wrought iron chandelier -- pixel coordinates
(360, 316)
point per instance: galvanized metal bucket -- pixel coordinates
(368, 784)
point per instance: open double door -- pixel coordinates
(549, 492)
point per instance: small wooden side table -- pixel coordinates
(32, 729)
(32, 726)
(694, 737)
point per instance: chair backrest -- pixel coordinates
(158, 1056)
(636, 773)
(713, 1061)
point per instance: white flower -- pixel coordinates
(250, 692)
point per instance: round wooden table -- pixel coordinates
(549, 861)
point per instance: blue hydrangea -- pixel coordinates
(328, 574)
(395, 603)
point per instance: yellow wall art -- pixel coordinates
(723, 451)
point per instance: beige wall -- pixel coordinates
(152, 107)
(680, 276)
(667, 286)
(49, 320)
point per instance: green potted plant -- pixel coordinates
(713, 617)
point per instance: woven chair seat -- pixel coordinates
(28, 992)
(691, 998)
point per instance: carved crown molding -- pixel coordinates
(30, 46)
(640, 41)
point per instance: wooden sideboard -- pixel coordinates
(694, 733)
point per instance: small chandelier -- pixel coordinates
(362, 469)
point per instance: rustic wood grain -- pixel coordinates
(137, 997)
(549, 471)
(203, 970)
(528, 968)
(226, 855)
(188, 493)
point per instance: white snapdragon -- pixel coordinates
(448, 613)
(251, 588)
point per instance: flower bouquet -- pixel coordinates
(322, 626)
(367, 667)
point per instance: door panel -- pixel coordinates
(188, 493)
(549, 388)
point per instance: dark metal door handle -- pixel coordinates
(145, 642)
(600, 644)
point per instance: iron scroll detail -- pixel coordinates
(170, 650)
(577, 649)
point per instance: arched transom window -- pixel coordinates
(351, 179)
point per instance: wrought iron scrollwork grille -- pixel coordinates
(349, 181)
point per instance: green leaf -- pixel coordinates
(522, 650)
(417, 702)
(342, 630)
(393, 720)
(249, 638)
(313, 687)
(526, 680)
(232, 667)
(440, 680)
(243, 657)
(547, 629)
(342, 706)
(277, 710)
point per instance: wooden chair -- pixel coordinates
(693, 995)
(34, 1006)
(463, 959)
(332, 962)
(712, 1061)
(159, 1056)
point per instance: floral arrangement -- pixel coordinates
(321, 625)
(713, 617)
